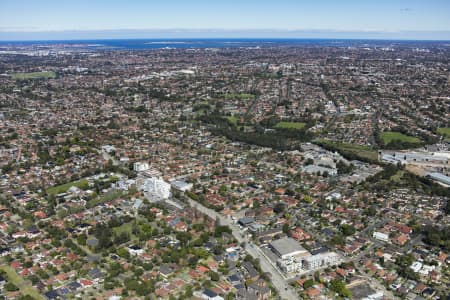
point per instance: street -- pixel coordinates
(284, 289)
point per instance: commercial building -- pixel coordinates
(156, 187)
(313, 169)
(439, 177)
(321, 260)
(287, 248)
(140, 166)
(290, 253)
(182, 186)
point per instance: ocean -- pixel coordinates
(143, 44)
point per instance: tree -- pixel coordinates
(188, 292)
(338, 286)
(279, 207)
(104, 235)
(220, 229)
(317, 276)
(10, 287)
(34, 279)
(122, 252)
(214, 276)
(308, 283)
(147, 266)
(144, 289)
(337, 239)
(41, 273)
(183, 237)
(81, 239)
(347, 229)
(223, 190)
(371, 211)
(115, 269)
(437, 236)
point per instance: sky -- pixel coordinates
(41, 19)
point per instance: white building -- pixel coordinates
(375, 296)
(313, 169)
(135, 250)
(182, 186)
(140, 166)
(290, 265)
(156, 186)
(416, 266)
(325, 161)
(108, 149)
(290, 253)
(380, 236)
(125, 184)
(414, 157)
(321, 260)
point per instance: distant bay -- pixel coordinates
(143, 44)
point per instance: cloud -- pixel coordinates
(406, 9)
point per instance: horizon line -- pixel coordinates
(230, 38)
(190, 33)
(175, 29)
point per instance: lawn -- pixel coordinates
(358, 151)
(34, 75)
(82, 184)
(389, 136)
(126, 227)
(24, 287)
(397, 177)
(290, 125)
(109, 196)
(232, 119)
(445, 131)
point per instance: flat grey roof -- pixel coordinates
(286, 246)
(439, 176)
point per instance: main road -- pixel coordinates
(284, 289)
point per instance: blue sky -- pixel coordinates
(272, 17)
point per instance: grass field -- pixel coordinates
(389, 136)
(24, 287)
(290, 125)
(34, 75)
(398, 176)
(445, 131)
(359, 151)
(82, 184)
(232, 119)
(109, 196)
(126, 227)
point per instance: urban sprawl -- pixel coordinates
(288, 172)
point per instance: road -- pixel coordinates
(356, 259)
(284, 289)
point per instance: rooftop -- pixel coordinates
(286, 246)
